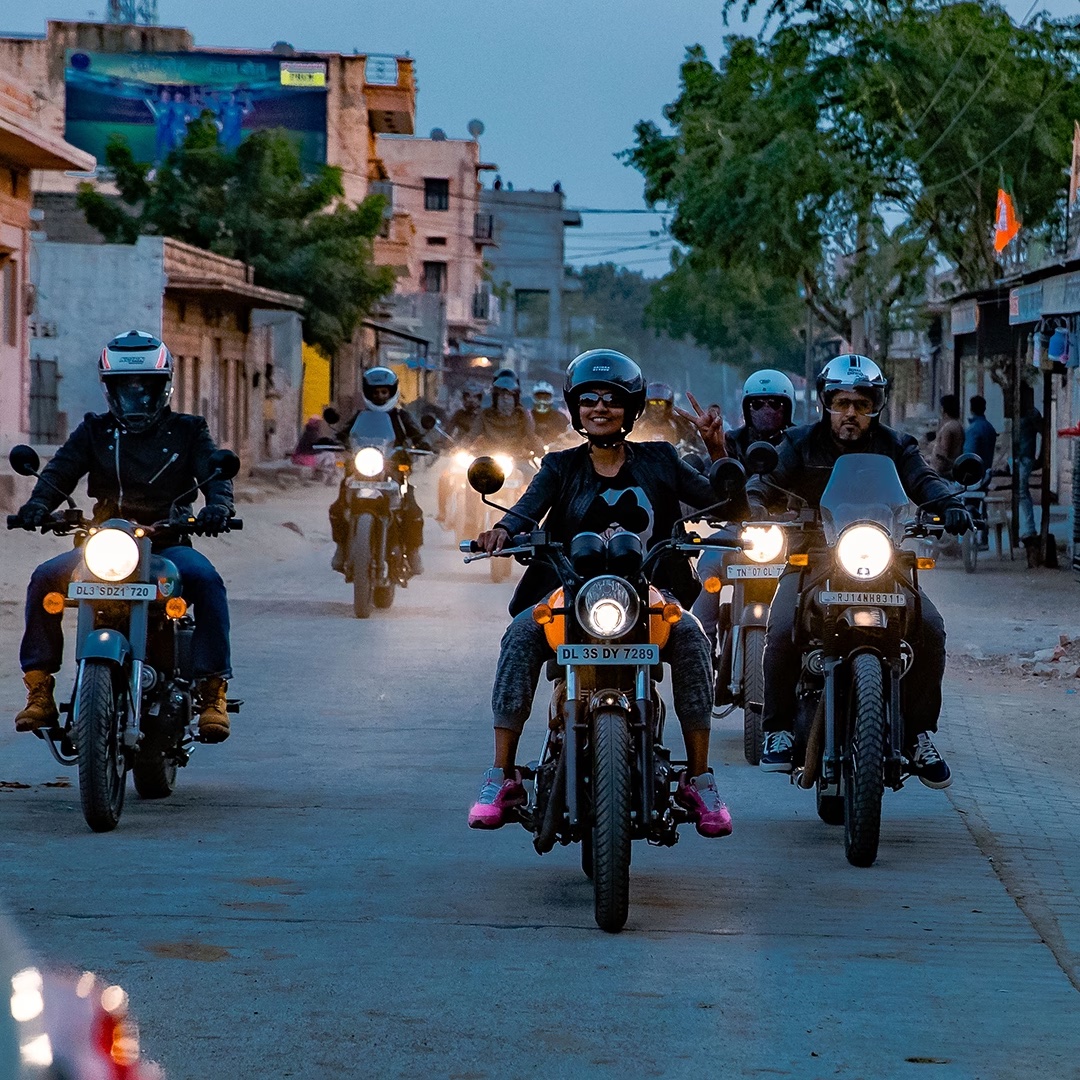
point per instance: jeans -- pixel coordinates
(920, 691)
(43, 642)
(1027, 513)
(525, 650)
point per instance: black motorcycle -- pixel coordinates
(858, 610)
(604, 776)
(132, 707)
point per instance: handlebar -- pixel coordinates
(62, 525)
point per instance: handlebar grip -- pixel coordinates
(469, 547)
(236, 524)
(13, 521)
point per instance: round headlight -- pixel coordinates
(463, 459)
(864, 551)
(369, 461)
(766, 542)
(505, 462)
(111, 554)
(607, 607)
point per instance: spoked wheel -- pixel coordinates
(969, 550)
(154, 775)
(753, 688)
(360, 556)
(611, 820)
(864, 775)
(102, 768)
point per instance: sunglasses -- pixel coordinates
(766, 403)
(591, 398)
(860, 406)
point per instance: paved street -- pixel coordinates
(311, 904)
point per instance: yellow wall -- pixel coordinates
(316, 381)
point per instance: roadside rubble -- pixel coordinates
(1060, 662)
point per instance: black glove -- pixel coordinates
(33, 514)
(212, 519)
(958, 521)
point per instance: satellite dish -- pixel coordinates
(438, 135)
(476, 128)
(282, 48)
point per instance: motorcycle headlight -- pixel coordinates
(111, 554)
(607, 607)
(864, 551)
(505, 462)
(766, 542)
(369, 461)
(463, 459)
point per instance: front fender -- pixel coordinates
(109, 645)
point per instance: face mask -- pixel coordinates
(542, 406)
(767, 420)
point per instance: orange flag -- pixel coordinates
(1005, 224)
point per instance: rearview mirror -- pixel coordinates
(331, 416)
(225, 463)
(428, 421)
(485, 476)
(728, 478)
(968, 469)
(24, 460)
(761, 458)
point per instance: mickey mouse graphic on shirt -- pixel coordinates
(621, 507)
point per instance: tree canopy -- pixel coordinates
(256, 205)
(857, 148)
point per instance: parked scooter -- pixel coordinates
(132, 705)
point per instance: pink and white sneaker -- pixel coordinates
(498, 800)
(701, 798)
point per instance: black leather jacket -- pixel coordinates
(807, 455)
(564, 490)
(135, 475)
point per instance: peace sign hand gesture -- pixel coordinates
(710, 426)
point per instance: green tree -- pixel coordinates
(256, 205)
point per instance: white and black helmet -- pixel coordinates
(769, 383)
(852, 371)
(136, 371)
(379, 376)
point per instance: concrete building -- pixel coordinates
(25, 147)
(236, 345)
(527, 268)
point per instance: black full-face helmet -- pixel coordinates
(377, 377)
(136, 372)
(605, 369)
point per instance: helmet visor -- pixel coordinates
(137, 400)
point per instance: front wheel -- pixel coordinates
(102, 768)
(864, 775)
(969, 550)
(154, 775)
(611, 820)
(360, 557)
(753, 691)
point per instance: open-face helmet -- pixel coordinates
(605, 369)
(377, 377)
(852, 371)
(136, 372)
(508, 382)
(765, 384)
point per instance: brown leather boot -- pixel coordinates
(213, 719)
(41, 710)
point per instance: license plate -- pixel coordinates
(608, 654)
(100, 590)
(864, 599)
(765, 570)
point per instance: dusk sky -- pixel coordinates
(559, 84)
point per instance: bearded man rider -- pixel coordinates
(588, 488)
(852, 390)
(139, 458)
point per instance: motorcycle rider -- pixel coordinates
(768, 405)
(381, 392)
(506, 425)
(463, 423)
(590, 487)
(139, 458)
(853, 391)
(661, 421)
(550, 422)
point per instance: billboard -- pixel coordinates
(150, 98)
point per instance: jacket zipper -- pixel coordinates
(176, 454)
(119, 482)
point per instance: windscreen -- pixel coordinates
(371, 428)
(863, 487)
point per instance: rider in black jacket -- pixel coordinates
(139, 458)
(852, 390)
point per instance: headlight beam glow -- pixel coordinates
(864, 551)
(111, 554)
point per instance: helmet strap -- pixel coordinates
(607, 442)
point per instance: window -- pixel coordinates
(437, 241)
(433, 279)
(436, 194)
(531, 312)
(9, 301)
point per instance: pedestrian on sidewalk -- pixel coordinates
(1029, 452)
(949, 439)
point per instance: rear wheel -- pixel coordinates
(611, 820)
(360, 557)
(154, 775)
(102, 769)
(753, 691)
(864, 776)
(969, 550)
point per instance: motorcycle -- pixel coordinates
(132, 707)
(858, 609)
(604, 776)
(376, 483)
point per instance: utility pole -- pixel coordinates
(809, 419)
(139, 12)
